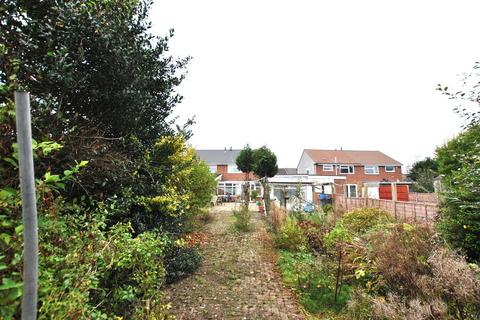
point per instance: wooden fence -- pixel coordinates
(423, 197)
(403, 210)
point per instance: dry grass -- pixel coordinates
(277, 217)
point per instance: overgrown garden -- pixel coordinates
(117, 184)
(364, 264)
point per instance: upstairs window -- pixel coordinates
(371, 169)
(328, 167)
(389, 168)
(347, 169)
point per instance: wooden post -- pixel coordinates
(426, 212)
(405, 212)
(414, 212)
(394, 203)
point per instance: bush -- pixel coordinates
(401, 257)
(243, 220)
(315, 234)
(362, 220)
(181, 261)
(290, 236)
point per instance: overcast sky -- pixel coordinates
(300, 75)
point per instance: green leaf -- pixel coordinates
(9, 284)
(19, 229)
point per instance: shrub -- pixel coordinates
(401, 256)
(181, 261)
(290, 236)
(455, 282)
(243, 220)
(362, 220)
(327, 208)
(315, 234)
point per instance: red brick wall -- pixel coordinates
(222, 168)
(236, 177)
(359, 176)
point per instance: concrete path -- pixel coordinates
(238, 278)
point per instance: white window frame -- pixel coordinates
(347, 190)
(393, 167)
(348, 166)
(213, 168)
(375, 169)
(325, 166)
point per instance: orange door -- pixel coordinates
(385, 192)
(402, 192)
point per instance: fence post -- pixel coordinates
(414, 212)
(394, 203)
(29, 206)
(405, 212)
(426, 213)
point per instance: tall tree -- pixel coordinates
(423, 173)
(245, 163)
(102, 85)
(265, 166)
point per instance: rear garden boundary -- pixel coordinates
(401, 210)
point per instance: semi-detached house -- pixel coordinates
(352, 170)
(230, 179)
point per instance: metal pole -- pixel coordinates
(29, 206)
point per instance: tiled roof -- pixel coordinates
(218, 156)
(351, 157)
(286, 171)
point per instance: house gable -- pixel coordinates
(306, 165)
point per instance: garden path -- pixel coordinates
(238, 278)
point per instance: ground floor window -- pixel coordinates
(232, 189)
(351, 190)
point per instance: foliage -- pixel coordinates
(454, 153)
(265, 162)
(362, 220)
(265, 166)
(115, 182)
(243, 220)
(245, 160)
(182, 260)
(423, 173)
(312, 282)
(315, 234)
(373, 267)
(459, 160)
(290, 236)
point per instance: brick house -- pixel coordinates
(355, 169)
(230, 179)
